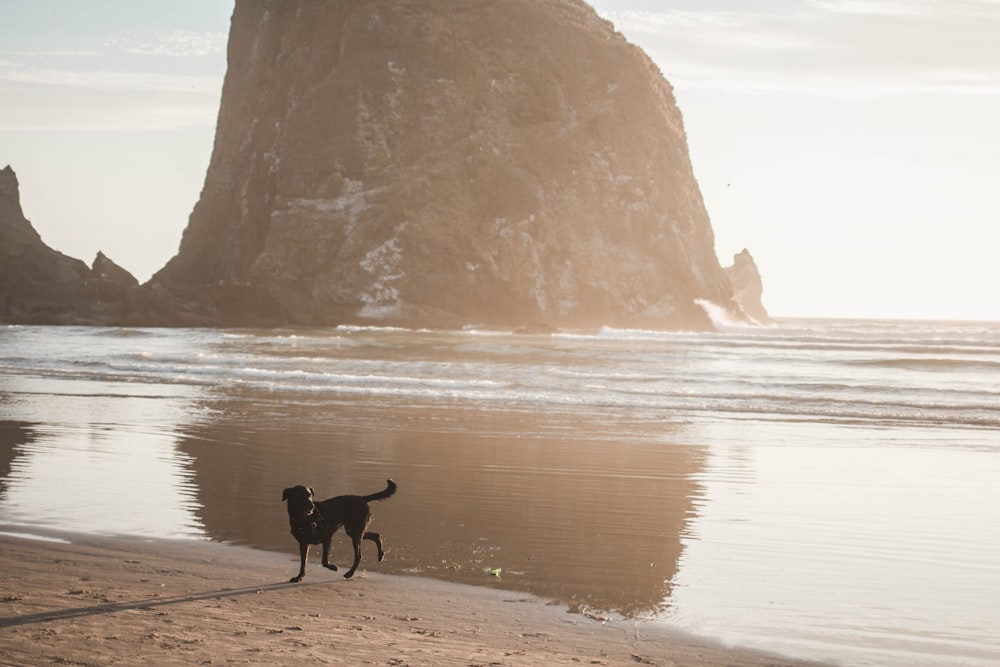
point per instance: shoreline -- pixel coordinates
(85, 599)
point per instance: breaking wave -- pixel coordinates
(832, 371)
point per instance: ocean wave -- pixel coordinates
(369, 328)
(772, 374)
(937, 364)
(722, 318)
(120, 332)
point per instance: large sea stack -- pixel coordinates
(434, 163)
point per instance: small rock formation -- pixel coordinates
(106, 270)
(42, 286)
(442, 164)
(109, 281)
(747, 286)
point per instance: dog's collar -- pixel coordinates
(314, 516)
(311, 527)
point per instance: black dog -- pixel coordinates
(315, 523)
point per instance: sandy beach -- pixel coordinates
(85, 600)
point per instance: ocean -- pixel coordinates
(821, 488)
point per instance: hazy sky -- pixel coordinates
(852, 145)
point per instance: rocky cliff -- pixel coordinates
(41, 285)
(437, 163)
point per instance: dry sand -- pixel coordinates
(109, 601)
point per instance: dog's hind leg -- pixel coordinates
(377, 539)
(356, 533)
(303, 555)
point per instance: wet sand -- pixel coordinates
(584, 521)
(88, 600)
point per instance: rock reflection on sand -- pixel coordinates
(93, 478)
(586, 522)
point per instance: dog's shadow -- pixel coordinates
(146, 604)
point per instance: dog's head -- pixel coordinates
(299, 499)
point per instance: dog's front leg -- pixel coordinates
(303, 555)
(326, 555)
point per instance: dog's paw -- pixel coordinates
(295, 580)
(330, 566)
(348, 575)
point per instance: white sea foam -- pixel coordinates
(851, 371)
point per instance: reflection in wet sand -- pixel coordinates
(12, 435)
(588, 522)
(105, 469)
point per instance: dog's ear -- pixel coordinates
(284, 494)
(311, 492)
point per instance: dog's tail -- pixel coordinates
(382, 495)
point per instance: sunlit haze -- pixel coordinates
(852, 147)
